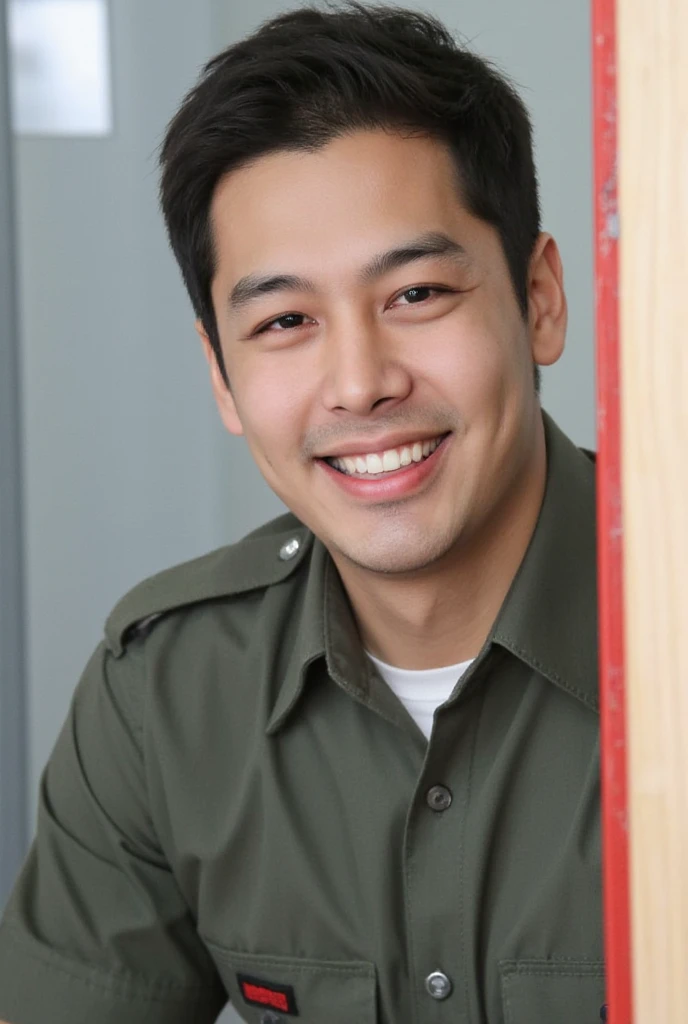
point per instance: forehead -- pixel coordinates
(335, 206)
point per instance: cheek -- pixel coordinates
(470, 360)
(272, 405)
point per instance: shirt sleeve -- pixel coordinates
(96, 929)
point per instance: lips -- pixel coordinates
(387, 461)
(392, 484)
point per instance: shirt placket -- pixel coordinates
(439, 944)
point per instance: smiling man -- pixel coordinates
(346, 769)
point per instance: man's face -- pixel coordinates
(388, 401)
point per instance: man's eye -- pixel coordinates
(286, 322)
(420, 293)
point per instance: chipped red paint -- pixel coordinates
(610, 521)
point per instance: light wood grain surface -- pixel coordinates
(652, 69)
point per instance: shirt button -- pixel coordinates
(289, 549)
(438, 985)
(438, 798)
(271, 1018)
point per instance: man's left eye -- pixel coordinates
(419, 293)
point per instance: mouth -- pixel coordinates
(380, 465)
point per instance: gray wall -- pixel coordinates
(126, 468)
(13, 818)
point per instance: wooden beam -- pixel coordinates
(653, 198)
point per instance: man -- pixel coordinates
(347, 769)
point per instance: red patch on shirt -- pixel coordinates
(257, 992)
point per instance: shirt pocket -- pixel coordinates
(308, 991)
(552, 991)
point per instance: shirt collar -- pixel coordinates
(548, 619)
(326, 630)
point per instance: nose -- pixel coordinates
(363, 369)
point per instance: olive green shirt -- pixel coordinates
(239, 807)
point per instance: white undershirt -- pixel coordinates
(421, 692)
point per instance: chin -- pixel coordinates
(392, 555)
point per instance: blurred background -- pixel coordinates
(113, 464)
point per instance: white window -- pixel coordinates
(60, 67)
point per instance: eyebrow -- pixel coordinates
(431, 244)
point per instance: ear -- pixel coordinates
(547, 309)
(221, 392)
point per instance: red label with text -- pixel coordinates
(258, 992)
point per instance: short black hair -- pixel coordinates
(311, 75)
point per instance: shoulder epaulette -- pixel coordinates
(266, 556)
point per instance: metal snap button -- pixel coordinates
(271, 1018)
(438, 985)
(438, 798)
(290, 549)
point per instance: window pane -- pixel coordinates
(60, 67)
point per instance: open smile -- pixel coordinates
(388, 475)
(380, 464)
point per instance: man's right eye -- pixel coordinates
(286, 321)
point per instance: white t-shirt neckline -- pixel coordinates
(421, 691)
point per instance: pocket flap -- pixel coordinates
(310, 991)
(545, 991)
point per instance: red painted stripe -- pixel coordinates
(610, 524)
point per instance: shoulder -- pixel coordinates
(266, 556)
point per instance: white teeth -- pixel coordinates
(388, 462)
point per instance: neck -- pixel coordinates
(443, 614)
